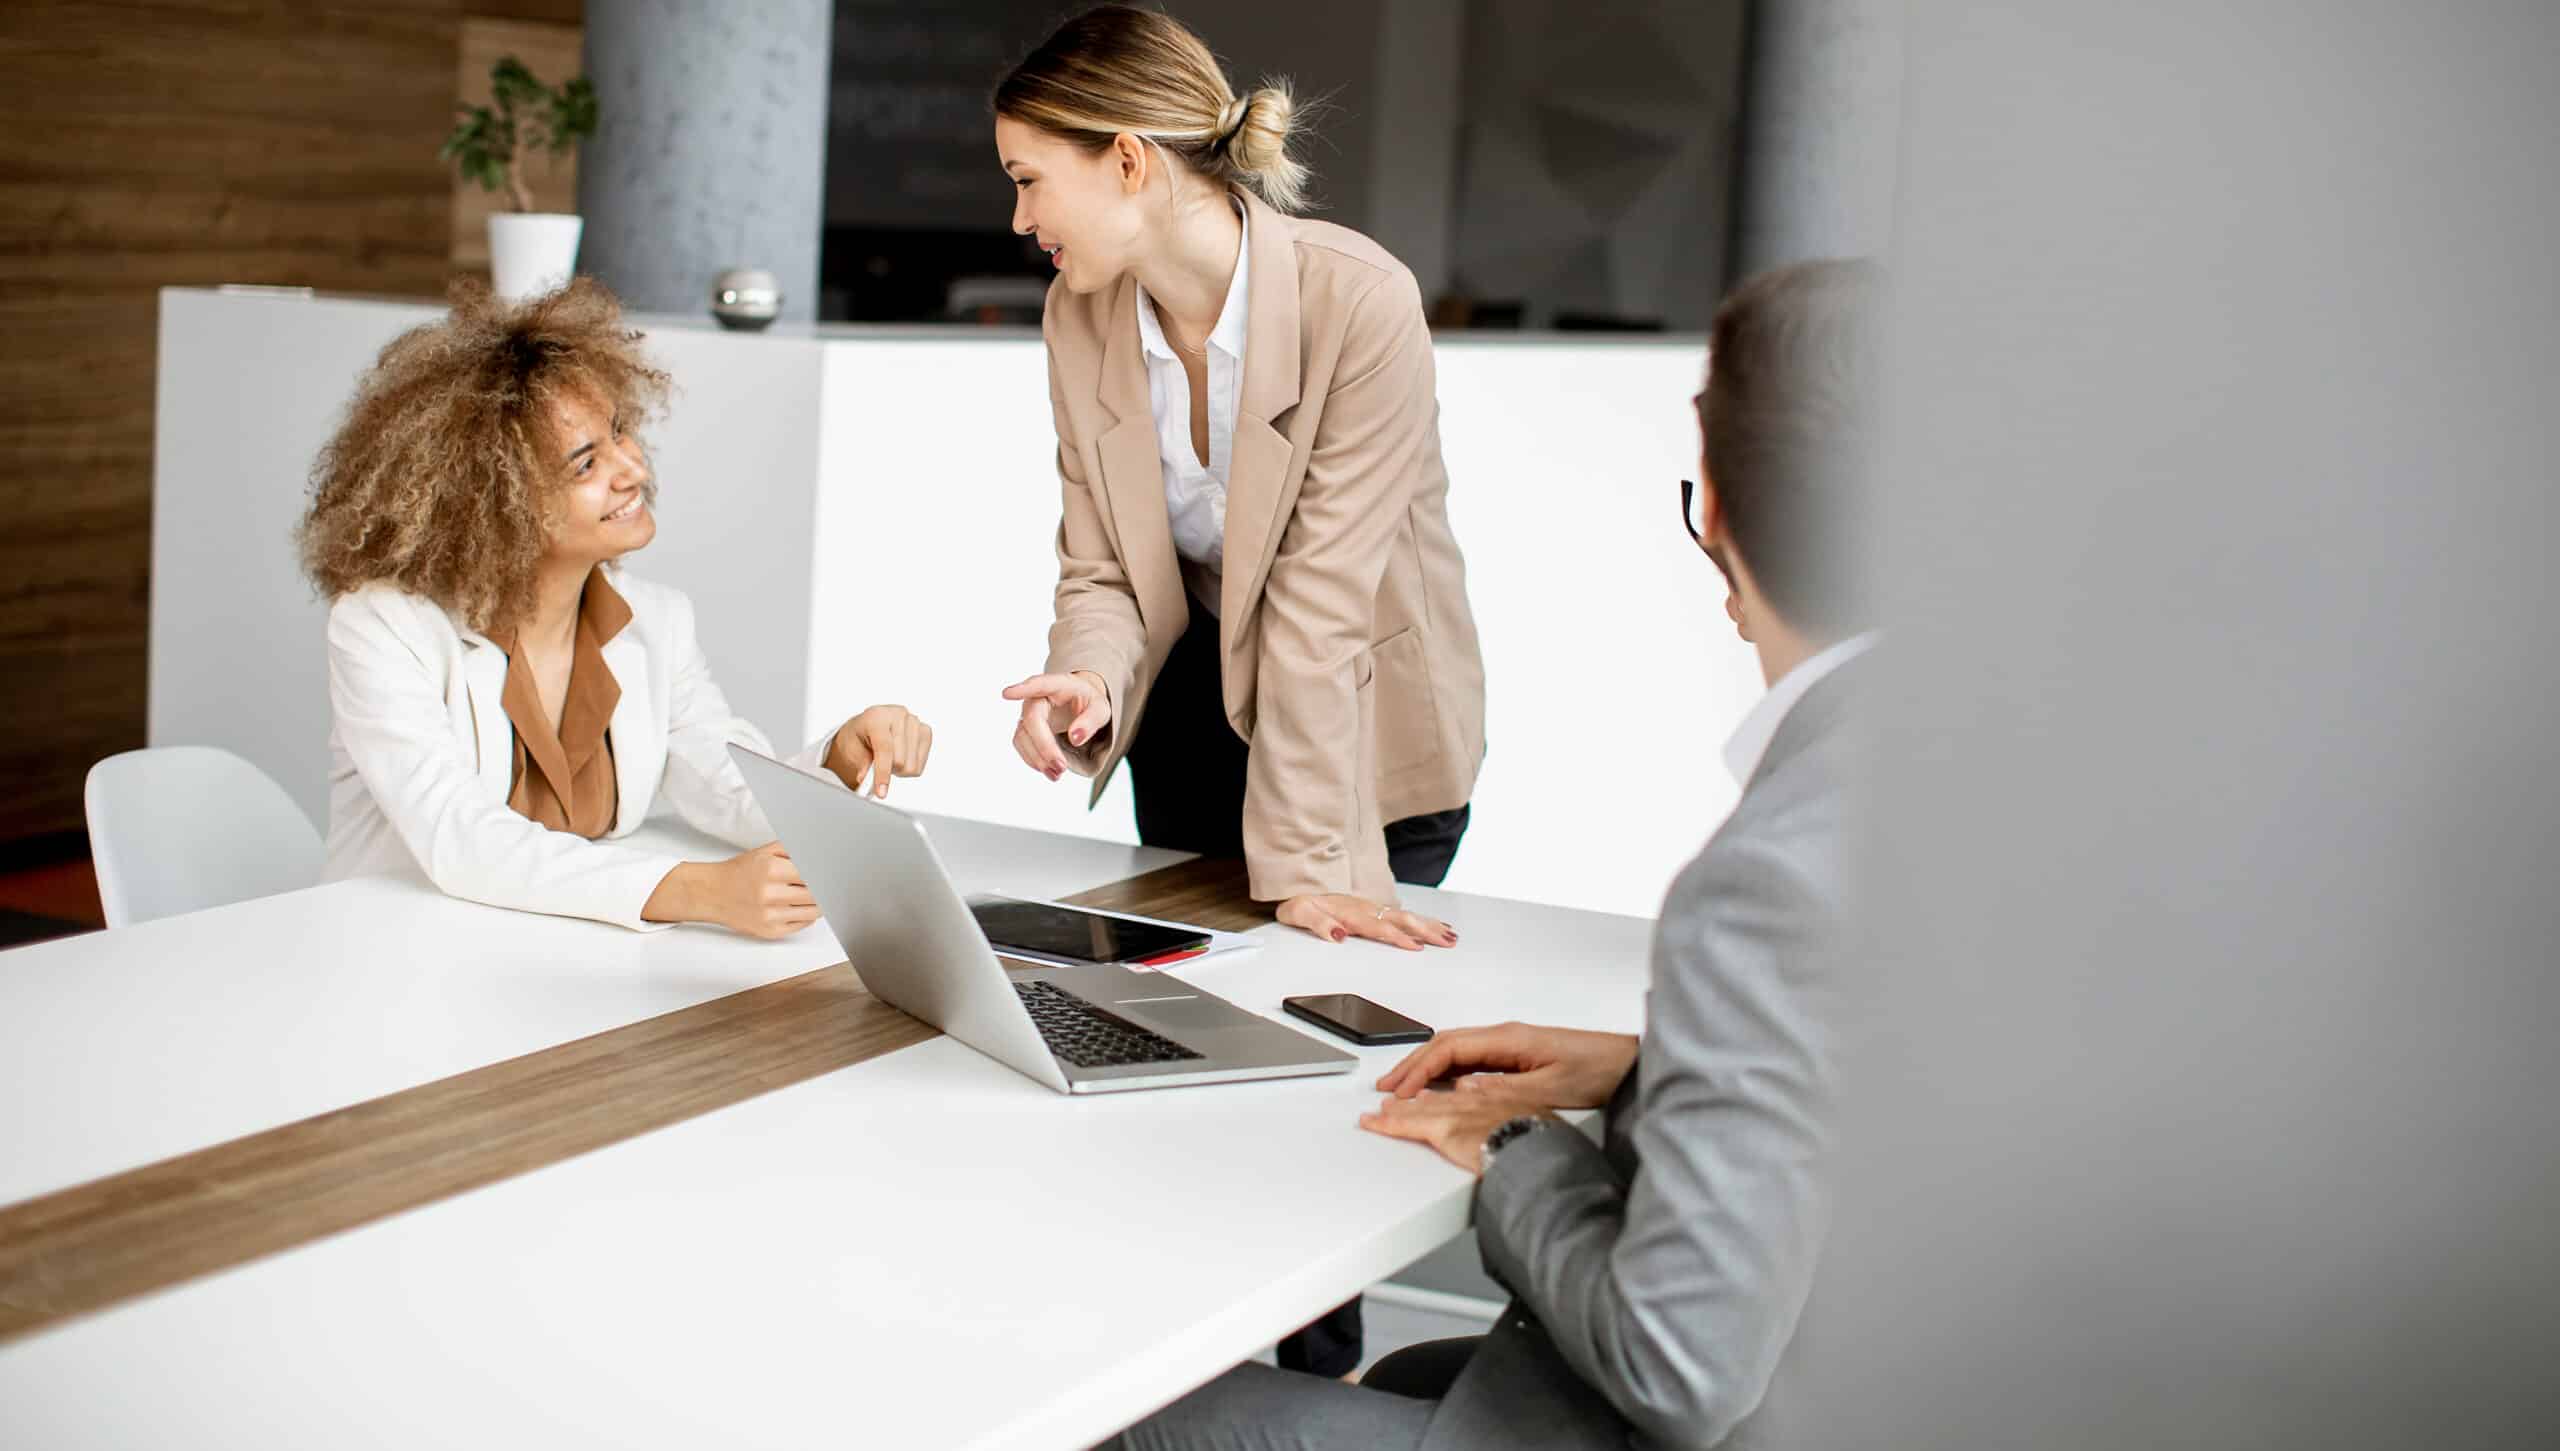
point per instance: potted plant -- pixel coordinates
(530, 252)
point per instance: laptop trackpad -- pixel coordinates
(1182, 1012)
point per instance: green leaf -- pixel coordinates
(511, 84)
(573, 114)
(470, 145)
(484, 143)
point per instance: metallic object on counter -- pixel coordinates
(745, 298)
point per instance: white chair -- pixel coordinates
(181, 828)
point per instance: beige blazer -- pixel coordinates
(1347, 648)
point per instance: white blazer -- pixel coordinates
(421, 757)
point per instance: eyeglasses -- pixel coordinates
(1692, 510)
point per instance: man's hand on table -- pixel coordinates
(1557, 1068)
(1455, 1123)
(1505, 1072)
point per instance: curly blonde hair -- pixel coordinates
(441, 476)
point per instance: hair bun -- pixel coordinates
(1231, 120)
(1258, 140)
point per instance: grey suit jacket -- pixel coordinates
(1658, 1279)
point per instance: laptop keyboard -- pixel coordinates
(1088, 1037)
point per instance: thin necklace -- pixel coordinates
(1164, 325)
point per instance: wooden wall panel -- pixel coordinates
(145, 145)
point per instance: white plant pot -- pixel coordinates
(531, 253)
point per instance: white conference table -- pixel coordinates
(921, 1250)
(157, 1039)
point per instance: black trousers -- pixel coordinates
(1186, 769)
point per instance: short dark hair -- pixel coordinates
(1790, 415)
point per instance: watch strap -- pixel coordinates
(1508, 1130)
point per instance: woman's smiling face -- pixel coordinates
(1082, 207)
(602, 509)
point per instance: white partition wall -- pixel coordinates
(937, 521)
(250, 386)
(1613, 675)
(253, 383)
(867, 515)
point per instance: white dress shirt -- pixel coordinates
(1750, 740)
(1195, 494)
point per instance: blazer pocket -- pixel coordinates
(1408, 712)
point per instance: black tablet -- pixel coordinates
(1076, 936)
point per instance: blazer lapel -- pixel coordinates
(639, 747)
(1133, 474)
(484, 679)
(1258, 496)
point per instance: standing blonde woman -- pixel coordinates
(1260, 604)
(506, 700)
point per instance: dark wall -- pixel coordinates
(914, 195)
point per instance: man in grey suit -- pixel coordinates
(1658, 1277)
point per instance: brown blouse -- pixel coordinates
(564, 778)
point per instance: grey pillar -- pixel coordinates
(710, 151)
(1821, 133)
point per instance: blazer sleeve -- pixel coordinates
(391, 718)
(1674, 1294)
(1308, 808)
(1097, 626)
(701, 781)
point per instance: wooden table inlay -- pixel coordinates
(82, 1249)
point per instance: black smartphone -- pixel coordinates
(1349, 1015)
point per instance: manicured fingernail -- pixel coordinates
(1076, 736)
(1337, 934)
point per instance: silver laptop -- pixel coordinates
(913, 942)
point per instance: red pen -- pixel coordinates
(1163, 959)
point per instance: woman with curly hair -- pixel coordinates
(507, 700)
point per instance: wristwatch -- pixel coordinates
(1505, 1132)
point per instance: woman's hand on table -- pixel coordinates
(757, 893)
(1335, 916)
